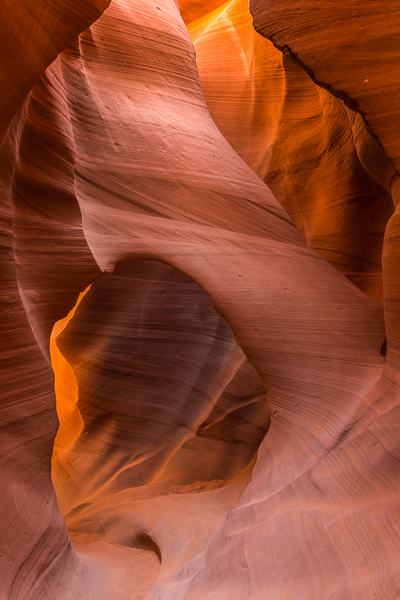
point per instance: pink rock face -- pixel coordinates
(33, 32)
(229, 424)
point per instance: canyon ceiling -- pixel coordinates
(200, 300)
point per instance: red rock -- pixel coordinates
(33, 32)
(112, 172)
(267, 107)
(351, 49)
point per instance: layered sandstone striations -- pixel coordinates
(299, 139)
(33, 32)
(229, 423)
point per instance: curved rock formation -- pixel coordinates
(191, 10)
(297, 137)
(187, 407)
(351, 49)
(243, 449)
(33, 32)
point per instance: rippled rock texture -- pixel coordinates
(200, 349)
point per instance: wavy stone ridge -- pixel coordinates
(268, 108)
(246, 448)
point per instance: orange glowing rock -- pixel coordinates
(191, 10)
(229, 421)
(267, 107)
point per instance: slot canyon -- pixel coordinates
(200, 323)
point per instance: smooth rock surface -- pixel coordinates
(33, 32)
(229, 422)
(299, 139)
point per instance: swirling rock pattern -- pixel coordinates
(352, 49)
(33, 32)
(243, 448)
(187, 407)
(267, 107)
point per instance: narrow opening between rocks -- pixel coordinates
(155, 399)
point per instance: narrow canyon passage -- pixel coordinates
(200, 274)
(159, 411)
